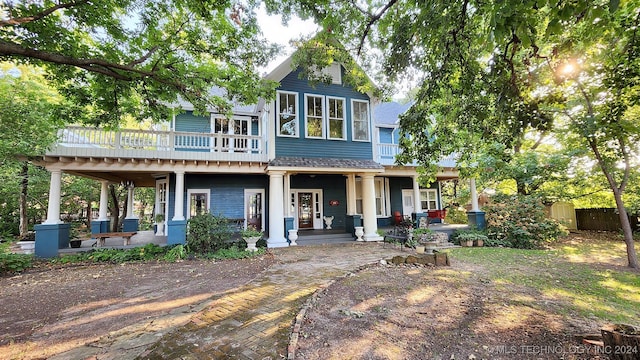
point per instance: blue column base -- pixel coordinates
(288, 225)
(50, 238)
(351, 222)
(100, 226)
(476, 219)
(130, 225)
(177, 232)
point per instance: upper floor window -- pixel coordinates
(325, 113)
(287, 108)
(360, 117)
(315, 116)
(336, 118)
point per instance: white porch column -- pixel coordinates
(287, 191)
(474, 195)
(417, 204)
(276, 210)
(369, 220)
(351, 194)
(178, 213)
(130, 213)
(53, 211)
(104, 200)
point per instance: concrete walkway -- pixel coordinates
(250, 322)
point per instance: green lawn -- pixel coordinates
(584, 274)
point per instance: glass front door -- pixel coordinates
(254, 209)
(305, 210)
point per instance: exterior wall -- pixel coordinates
(189, 122)
(397, 184)
(226, 192)
(333, 188)
(386, 136)
(301, 146)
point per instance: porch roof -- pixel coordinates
(313, 163)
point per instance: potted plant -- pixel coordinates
(159, 224)
(74, 242)
(251, 235)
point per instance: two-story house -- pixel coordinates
(315, 152)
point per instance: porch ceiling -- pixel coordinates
(140, 179)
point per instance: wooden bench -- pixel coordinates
(102, 236)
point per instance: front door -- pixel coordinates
(407, 203)
(254, 208)
(305, 210)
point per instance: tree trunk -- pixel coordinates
(632, 257)
(24, 185)
(115, 210)
(89, 214)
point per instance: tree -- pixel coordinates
(489, 75)
(28, 125)
(135, 56)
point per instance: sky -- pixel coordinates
(273, 30)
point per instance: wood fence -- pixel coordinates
(604, 219)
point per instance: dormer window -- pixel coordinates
(287, 108)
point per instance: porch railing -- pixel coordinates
(128, 140)
(387, 156)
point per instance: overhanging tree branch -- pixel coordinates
(42, 14)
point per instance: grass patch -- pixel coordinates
(581, 277)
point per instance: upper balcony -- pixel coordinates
(387, 156)
(78, 141)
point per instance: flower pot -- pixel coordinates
(478, 243)
(75, 243)
(251, 242)
(420, 249)
(466, 243)
(359, 232)
(293, 236)
(160, 229)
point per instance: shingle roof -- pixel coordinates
(388, 113)
(313, 162)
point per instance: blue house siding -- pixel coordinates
(301, 146)
(386, 136)
(333, 188)
(397, 184)
(189, 122)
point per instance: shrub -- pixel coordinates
(456, 215)
(207, 233)
(468, 234)
(14, 263)
(520, 221)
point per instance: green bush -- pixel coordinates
(521, 222)
(456, 215)
(14, 263)
(207, 233)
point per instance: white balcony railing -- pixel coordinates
(387, 156)
(78, 141)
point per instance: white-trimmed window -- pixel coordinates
(429, 199)
(314, 111)
(360, 120)
(325, 117)
(381, 193)
(337, 128)
(197, 202)
(287, 112)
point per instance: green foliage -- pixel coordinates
(13, 263)
(143, 253)
(521, 222)
(176, 253)
(456, 215)
(207, 233)
(470, 235)
(112, 58)
(250, 232)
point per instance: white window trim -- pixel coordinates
(297, 117)
(353, 123)
(197, 191)
(344, 118)
(435, 193)
(323, 101)
(386, 196)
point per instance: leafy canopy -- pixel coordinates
(113, 58)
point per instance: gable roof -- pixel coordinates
(387, 114)
(237, 108)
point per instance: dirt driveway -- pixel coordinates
(49, 312)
